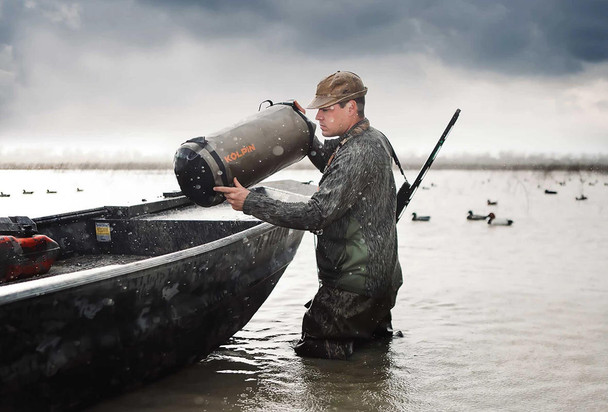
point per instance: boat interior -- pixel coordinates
(124, 234)
(113, 235)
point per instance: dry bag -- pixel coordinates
(251, 150)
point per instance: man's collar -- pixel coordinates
(358, 128)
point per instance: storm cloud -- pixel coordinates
(514, 36)
(143, 64)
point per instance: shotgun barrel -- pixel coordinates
(406, 192)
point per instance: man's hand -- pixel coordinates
(234, 195)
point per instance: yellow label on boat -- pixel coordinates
(102, 231)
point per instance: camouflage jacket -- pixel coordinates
(352, 213)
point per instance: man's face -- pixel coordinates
(334, 120)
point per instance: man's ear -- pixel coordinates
(352, 106)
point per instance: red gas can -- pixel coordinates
(23, 257)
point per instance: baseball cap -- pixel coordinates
(336, 88)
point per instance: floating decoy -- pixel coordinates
(27, 192)
(498, 222)
(492, 203)
(471, 216)
(51, 191)
(79, 189)
(582, 197)
(420, 218)
(2, 194)
(550, 192)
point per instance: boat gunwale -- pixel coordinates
(37, 287)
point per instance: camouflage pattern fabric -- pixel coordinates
(339, 314)
(353, 216)
(337, 319)
(353, 213)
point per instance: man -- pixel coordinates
(353, 216)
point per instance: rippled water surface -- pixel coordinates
(493, 318)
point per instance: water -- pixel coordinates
(494, 318)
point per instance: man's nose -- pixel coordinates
(318, 116)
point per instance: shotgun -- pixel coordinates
(406, 192)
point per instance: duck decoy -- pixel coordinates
(550, 192)
(472, 216)
(582, 197)
(51, 191)
(492, 203)
(498, 222)
(27, 192)
(2, 194)
(417, 218)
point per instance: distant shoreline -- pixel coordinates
(409, 164)
(505, 160)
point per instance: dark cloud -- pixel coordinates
(519, 37)
(9, 15)
(584, 29)
(103, 69)
(510, 36)
(549, 37)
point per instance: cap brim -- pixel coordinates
(320, 102)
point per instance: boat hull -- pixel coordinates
(72, 339)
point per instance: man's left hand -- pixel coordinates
(234, 195)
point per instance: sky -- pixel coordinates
(136, 78)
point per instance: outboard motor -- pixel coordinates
(23, 252)
(251, 150)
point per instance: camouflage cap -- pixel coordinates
(336, 88)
